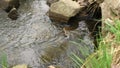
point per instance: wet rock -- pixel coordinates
(13, 14)
(64, 9)
(10, 7)
(53, 66)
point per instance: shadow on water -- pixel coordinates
(53, 52)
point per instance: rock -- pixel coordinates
(51, 66)
(10, 6)
(13, 14)
(64, 9)
(54, 66)
(20, 66)
(111, 9)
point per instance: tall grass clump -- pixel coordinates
(102, 57)
(114, 29)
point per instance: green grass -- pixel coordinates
(102, 57)
(114, 29)
(3, 61)
(84, 50)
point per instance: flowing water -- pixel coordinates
(32, 39)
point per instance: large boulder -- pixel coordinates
(64, 9)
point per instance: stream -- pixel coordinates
(34, 40)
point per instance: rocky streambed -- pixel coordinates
(33, 40)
